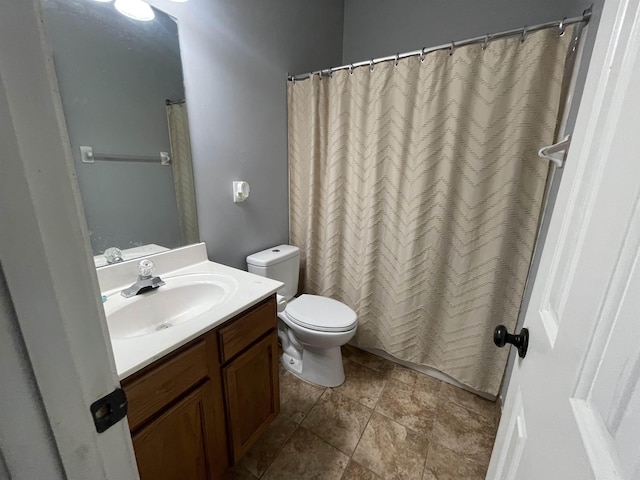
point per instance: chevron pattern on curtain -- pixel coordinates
(183, 172)
(415, 195)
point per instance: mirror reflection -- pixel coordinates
(122, 93)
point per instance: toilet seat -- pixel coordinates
(321, 313)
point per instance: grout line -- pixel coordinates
(333, 392)
(426, 458)
(439, 394)
(298, 425)
(470, 411)
(346, 468)
(360, 438)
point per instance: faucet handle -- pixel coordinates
(146, 268)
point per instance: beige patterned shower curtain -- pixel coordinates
(415, 195)
(183, 172)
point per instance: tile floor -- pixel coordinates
(385, 422)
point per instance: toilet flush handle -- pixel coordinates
(281, 303)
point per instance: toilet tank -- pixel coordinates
(280, 263)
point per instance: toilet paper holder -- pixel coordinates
(240, 191)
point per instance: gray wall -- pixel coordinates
(114, 75)
(236, 54)
(376, 28)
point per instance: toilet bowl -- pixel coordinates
(311, 328)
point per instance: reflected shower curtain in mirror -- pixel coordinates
(183, 172)
(415, 195)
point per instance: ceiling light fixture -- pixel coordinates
(136, 9)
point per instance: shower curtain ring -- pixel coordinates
(422, 54)
(397, 58)
(523, 36)
(561, 27)
(452, 47)
(351, 69)
(485, 43)
(371, 65)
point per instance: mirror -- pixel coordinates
(122, 94)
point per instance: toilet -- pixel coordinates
(311, 328)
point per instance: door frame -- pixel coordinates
(45, 256)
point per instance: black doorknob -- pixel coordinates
(501, 337)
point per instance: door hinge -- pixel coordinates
(109, 410)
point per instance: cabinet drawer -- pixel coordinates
(242, 332)
(152, 391)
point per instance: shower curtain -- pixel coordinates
(183, 172)
(415, 195)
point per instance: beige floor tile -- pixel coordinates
(355, 471)
(409, 405)
(463, 431)
(238, 473)
(444, 464)
(338, 420)
(265, 450)
(297, 397)
(391, 450)
(417, 420)
(361, 383)
(367, 359)
(306, 456)
(470, 401)
(413, 377)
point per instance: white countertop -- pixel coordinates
(133, 354)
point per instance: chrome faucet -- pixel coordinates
(146, 281)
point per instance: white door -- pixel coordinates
(44, 255)
(573, 406)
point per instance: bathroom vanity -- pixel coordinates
(208, 401)
(201, 389)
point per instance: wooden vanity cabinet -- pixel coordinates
(250, 376)
(252, 394)
(176, 444)
(197, 410)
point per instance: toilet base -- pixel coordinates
(321, 366)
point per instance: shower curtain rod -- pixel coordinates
(451, 46)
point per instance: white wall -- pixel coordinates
(236, 55)
(376, 28)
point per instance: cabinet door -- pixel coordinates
(252, 394)
(175, 445)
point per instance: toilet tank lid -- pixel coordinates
(273, 255)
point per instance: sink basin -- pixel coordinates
(183, 298)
